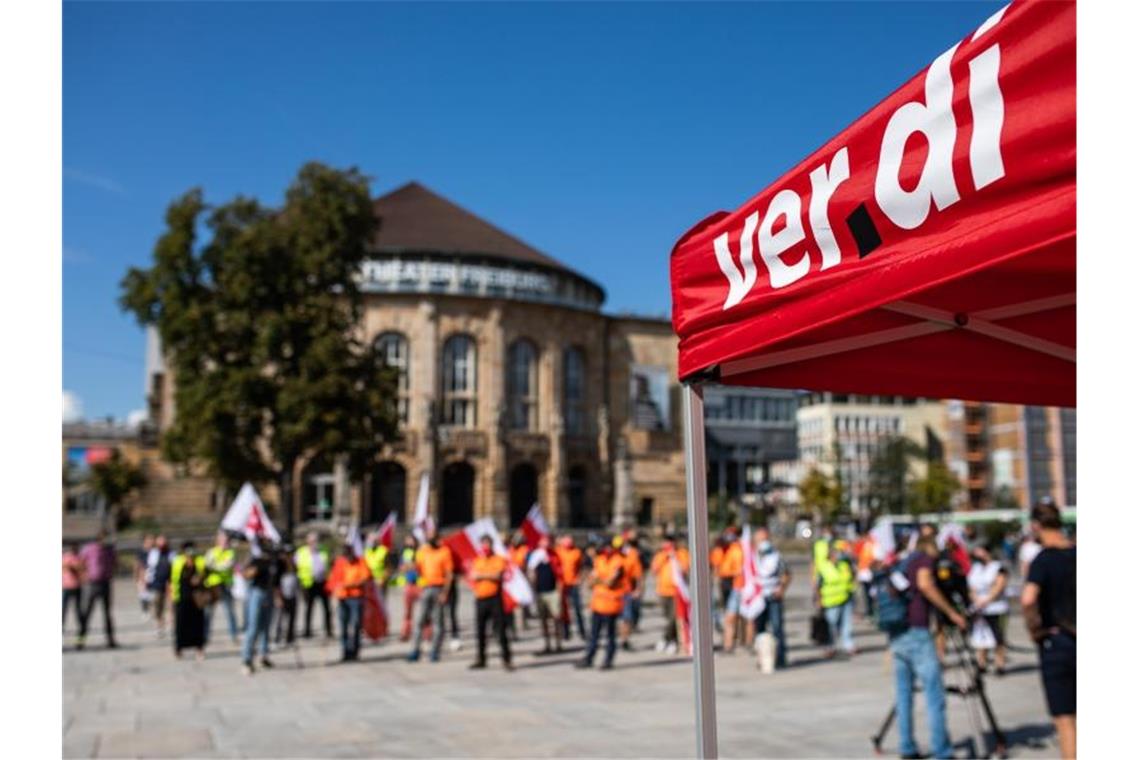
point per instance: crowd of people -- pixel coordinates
(852, 577)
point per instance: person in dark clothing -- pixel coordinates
(544, 581)
(1049, 604)
(286, 598)
(187, 576)
(98, 559)
(261, 574)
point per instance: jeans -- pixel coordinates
(914, 656)
(599, 621)
(312, 594)
(258, 612)
(98, 590)
(773, 615)
(574, 597)
(227, 599)
(839, 620)
(350, 612)
(433, 611)
(72, 596)
(490, 610)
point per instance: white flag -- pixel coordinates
(247, 515)
(422, 523)
(355, 540)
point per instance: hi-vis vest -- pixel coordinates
(835, 583)
(176, 568)
(305, 565)
(407, 557)
(376, 558)
(220, 564)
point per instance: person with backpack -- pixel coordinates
(905, 594)
(1049, 604)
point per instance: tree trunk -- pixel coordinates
(286, 485)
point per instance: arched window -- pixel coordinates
(522, 385)
(459, 366)
(393, 349)
(574, 390)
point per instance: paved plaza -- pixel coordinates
(138, 701)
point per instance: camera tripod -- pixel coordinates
(971, 686)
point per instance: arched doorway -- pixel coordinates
(576, 495)
(457, 495)
(524, 492)
(387, 493)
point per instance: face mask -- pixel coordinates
(765, 546)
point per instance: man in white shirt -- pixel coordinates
(774, 579)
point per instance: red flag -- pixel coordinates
(534, 526)
(375, 622)
(387, 531)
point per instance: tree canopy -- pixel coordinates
(258, 311)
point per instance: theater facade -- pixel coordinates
(515, 387)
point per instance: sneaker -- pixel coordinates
(265, 663)
(607, 666)
(659, 646)
(671, 649)
(414, 657)
(627, 646)
(247, 668)
(480, 666)
(434, 657)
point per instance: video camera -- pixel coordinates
(952, 583)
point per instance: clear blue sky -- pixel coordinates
(597, 133)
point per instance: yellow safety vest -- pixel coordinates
(835, 583)
(176, 574)
(220, 565)
(305, 565)
(376, 558)
(819, 552)
(407, 557)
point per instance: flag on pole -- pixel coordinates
(681, 600)
(247, 515)
(534, 526)
(883, 536)
(752, 594)
(464, 544)
(385, 534)
(422, 524)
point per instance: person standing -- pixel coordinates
(158, 581)
(187, 584)
(350, 574)
(487, 572)
(98, 559)
(286, 599)
(605, 604)
(376, 555)
(72, 583)
(914, 656)
(988, 582)
(144, 593)
(730, 574)
(570, 560)
(1026, 553)
(634, 585)
(775, 577)
(435, 567)
(662, 569)
(409, 578)
(544, 580)
(312, 563)
(864, 570)
(219, 560)
(833, 595)
(1049, 604)
(259, 572)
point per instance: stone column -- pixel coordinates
(623, 486)
(425, 407)
(342, 505)
(495, 501)
(557, 506)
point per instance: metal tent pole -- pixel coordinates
(701, 590)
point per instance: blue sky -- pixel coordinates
(597, 133)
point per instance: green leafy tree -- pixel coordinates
(822, 494)
(888, 474)
(935, 491)
(258, 310)
(114, 480)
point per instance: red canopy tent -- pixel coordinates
(929, 249)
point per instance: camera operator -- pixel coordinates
(914, 654)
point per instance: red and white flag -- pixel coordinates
(883, 536)
(534, 526)
(386, 533)
(247, 515)
(752, 593)
(681, 600)
(422, 524)
(464, 544)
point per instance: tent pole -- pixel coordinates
(701, 589)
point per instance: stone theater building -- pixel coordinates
(515, 387)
